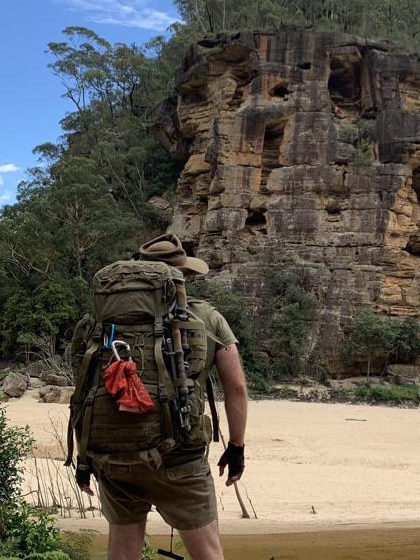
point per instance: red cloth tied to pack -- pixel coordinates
(122, 381)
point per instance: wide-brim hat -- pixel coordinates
(168, 248)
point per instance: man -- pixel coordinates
(182, 487)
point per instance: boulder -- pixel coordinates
(35, 369)
(54, 394)
(15, 384)
(55, 379)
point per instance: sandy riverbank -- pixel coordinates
(309, 466)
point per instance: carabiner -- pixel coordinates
(109, 338)
(114, 345)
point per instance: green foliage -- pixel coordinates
(55, 308)
(27, 530)
(232, 304)
(320, 373)
(51, 555)
(290, 310)
(370, 338)
(392, 394)
(379, 19)
(406, 343)
(363, 155)
(15, 445)
(16, 320)
(76, 545)
(24, 530)
(373, 339)
(148, 552)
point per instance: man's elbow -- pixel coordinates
(237, 387)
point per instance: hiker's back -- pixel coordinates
(142, 305)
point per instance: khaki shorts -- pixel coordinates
(184, 495)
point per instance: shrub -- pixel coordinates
(24, 530)
(52, 555)
(369, 341)
(393, 394)
(233, 306)
(29, 530)
(15, 444)
(290, 312)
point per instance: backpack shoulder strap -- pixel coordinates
(192, 302)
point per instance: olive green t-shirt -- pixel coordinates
(216, 325)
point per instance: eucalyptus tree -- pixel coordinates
(212, 16)
(370, 340)
(115, 90)
(396, 20)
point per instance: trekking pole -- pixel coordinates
(181, 378)
(170, 361)
(180, 353)
(181, 315)
(170, 553)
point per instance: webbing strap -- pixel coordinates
(84, 366)
(213, 410)
(87, 416)
(165, 385)
(209, 383)
(70, 444)
(187, 325)
(83, 371)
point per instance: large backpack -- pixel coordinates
(143, 305)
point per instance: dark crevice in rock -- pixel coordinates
(256, 221)
(413, 245)
(190, 248)
(344, 86)
(416, 183)
(237, 98)
(333, 208)
(279, 90)
(304, 66)
(273, 137)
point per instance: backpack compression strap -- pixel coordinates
(83, 372)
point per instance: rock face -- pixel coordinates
(302, 148)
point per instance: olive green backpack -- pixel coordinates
(141, 306)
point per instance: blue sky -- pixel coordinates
(31, 103)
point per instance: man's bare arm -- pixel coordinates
(232, 378)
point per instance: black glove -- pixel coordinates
(83, 472)
(234, 458)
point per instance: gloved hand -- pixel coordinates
(234, 458)
(82, 475)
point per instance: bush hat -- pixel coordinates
(168, 248)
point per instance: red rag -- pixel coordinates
(122, 380)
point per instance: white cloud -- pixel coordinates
(128, 13)
(6, 168)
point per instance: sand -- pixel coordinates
(309, 466)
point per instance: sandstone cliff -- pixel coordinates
(302, 150)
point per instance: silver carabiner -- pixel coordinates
(116, 343)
